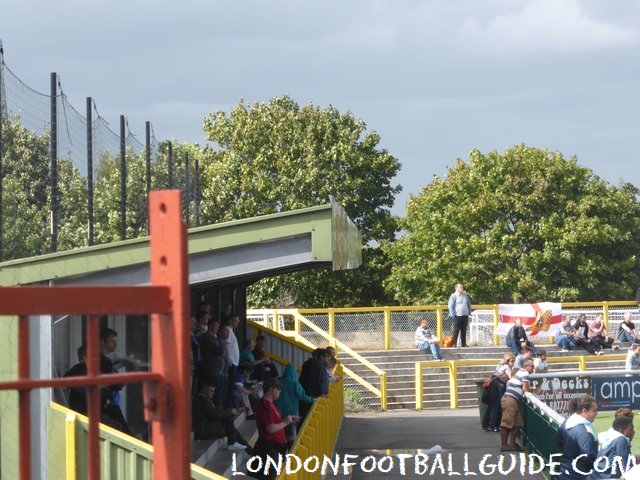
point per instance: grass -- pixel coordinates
(603, 423)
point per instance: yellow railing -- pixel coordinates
(272, 319)
(453, 365)
(122, 456)
(319, 432)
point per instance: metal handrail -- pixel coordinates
(340, 347)
(452, 366)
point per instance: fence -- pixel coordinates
(63, 173)
(378, 328)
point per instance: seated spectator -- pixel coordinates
(598, 334)
(264, 365)
(566, 336)
(271, 435)
(210, 423)
(525, 354)
(426, 339)
(540, 364)
(517, 338)
(606, 437)
(619, 445)
(245, 390)
(291, 396)
(627, 331)
(633, 358)
(582, 337)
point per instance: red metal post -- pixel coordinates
(170, 339)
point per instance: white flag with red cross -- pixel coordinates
(538, 319)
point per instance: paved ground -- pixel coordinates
(456, 432)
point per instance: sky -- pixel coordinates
(434, 78)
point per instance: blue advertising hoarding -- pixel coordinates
(612, 393)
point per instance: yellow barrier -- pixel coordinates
(319, 432)
(121, 454)
(453, 365)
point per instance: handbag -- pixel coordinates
(447, 342)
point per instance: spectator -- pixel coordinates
(494, 391)
(111, 412)
(210, 423)
(78, 395)
(566, 336)
(245, 392)
(598, 334)
(517, 338)
(525, 354)
(314, 378)
(582, 337)
(459, 311)
(425, 339)
(540, 364)
(271, 435)
(203, 323)
(633, 358)
(291, 396)
(266, 366)
(619, 445)
(627, 330)
(333, 361)
(577, 438)
(606, 437)
(233, 356)
(512, 420)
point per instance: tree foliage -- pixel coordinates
(277, 156)
(526, 225)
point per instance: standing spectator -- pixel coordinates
(540, 364)
(78, 395)
(493, 394)
(598, 334)
(271, 435)
(578, 440)
(426, 339)
(314, 378)
(606, 437)
(291, 396)
(618, 446)
(566, 336)
(582, 337)
(633, 358)
(210, 423)
(459, 311)
(627, 330)
(332, 359)
(111, 411)
(517, 338)
(511, 418)
(233, 356)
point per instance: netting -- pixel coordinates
(27, 225)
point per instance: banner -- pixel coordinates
(538, 319)
(556, 392)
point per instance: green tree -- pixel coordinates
(276, 156)
(527, 225)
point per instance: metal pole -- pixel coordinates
(170, 166)
(54, 162)
(187, 197)
(2, 100)
(123, 181)
(196, 193)
(147, 157)
(90, 171)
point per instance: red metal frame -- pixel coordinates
(166, 387)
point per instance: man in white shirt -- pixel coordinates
(425, 339)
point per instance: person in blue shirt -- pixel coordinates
(578, 440)
(459, 311)
(290, 397)
(617, 451)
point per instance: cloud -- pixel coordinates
(544, 25)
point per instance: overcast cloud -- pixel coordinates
(434, 78)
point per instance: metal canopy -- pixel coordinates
(241, 251)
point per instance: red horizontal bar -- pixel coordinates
(41, 300)
(133, 377)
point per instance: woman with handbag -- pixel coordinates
(493, 391)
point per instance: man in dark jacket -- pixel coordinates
(314, 377)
